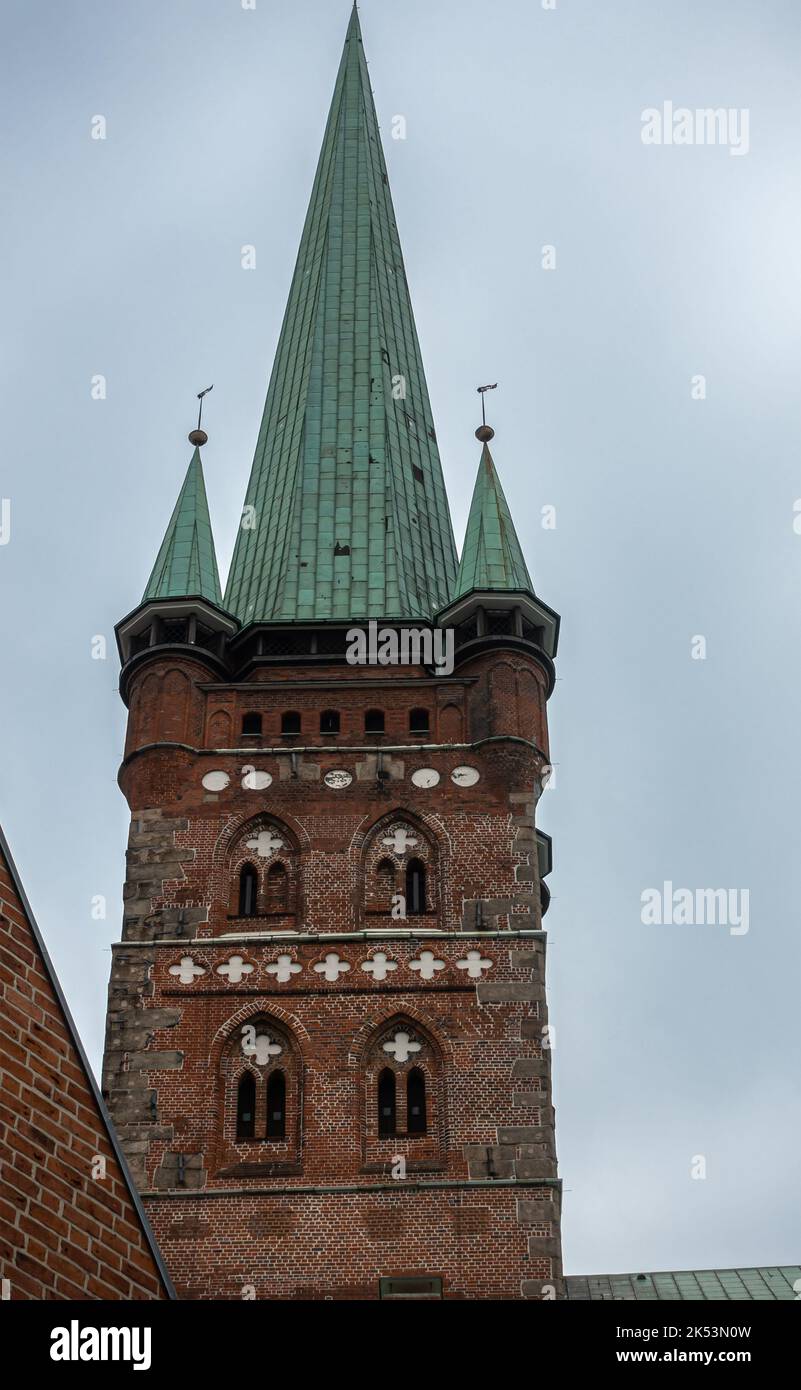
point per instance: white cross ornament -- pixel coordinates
(187, 970)
(474, 965)
(283, 969)
(379, 965)
(332, 967)
(400, 840)
(265, 844)
(235, 969)
(260, 1048)
(401, 1047)
(428, 965)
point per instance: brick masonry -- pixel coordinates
(69, 1226)
(322, 1212)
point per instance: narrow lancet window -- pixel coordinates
(387, 1103)
(246, 1107)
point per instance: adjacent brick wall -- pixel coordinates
(64, 1233)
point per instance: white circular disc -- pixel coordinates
(338, 779)
(256, 781)
(216, 781)
(426, 777)
(465, 776)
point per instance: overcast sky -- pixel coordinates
(674, 515)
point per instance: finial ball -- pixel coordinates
(198, 437)
(485, 433)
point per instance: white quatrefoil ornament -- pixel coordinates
(265, 844)
(400, 840)
(474, 964)
(236, 969)
(186, 971)
(283, 969)
(402, 1046)
(428, 965)
(379, 965)
(260, 1048)
(332, 967)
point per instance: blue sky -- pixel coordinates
(674, 515)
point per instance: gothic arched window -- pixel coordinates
(402, 1090)
(276, 1105)
(416, 1102)
(248, 891)
(277, 888)
(387, 1103)
(246, 1106)
(415, 888)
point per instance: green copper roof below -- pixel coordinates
(346, 515)
(187, 565)
(767, 1283)
(492, 557)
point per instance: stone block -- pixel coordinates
(488, 992)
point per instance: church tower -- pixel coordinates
(327, 1050)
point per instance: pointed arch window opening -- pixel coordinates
(248, 891)
(416, 1121)
(276, 1105)
(415, 888)
(387, 1104)
(246, 1106)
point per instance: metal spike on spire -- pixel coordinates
(199, 436)
(485, 432)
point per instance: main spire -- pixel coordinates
(346, 515)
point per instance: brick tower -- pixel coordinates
(327, 1051)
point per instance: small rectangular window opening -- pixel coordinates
(410, 1288)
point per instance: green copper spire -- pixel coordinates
(346, 514)
(187, 565)
(492, 557)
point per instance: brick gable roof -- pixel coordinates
(66, 1234)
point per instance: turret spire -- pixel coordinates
(346, 513)
(492, 558)
(186, 566)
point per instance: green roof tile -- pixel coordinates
(350, 518)
(706, 1285)
(186, 566)
(492, 557)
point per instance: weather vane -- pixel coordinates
(485, 432)
(199, 436)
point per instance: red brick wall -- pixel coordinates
(233, 1215)
(64, 1234)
